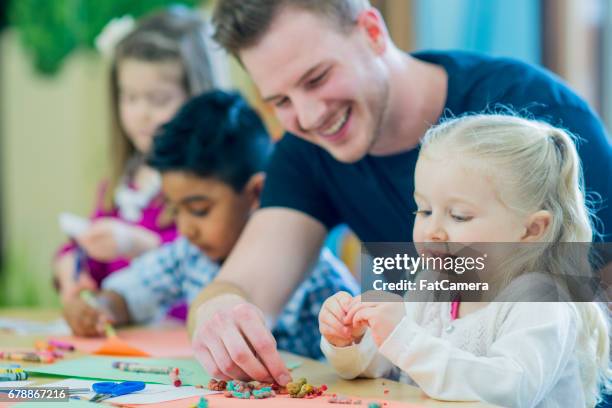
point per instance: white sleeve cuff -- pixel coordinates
(350, 361)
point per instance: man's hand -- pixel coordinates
(331, 321)
(231, 341)
(381, 317)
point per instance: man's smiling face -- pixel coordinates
(328, 86)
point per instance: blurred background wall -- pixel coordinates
(54, 126)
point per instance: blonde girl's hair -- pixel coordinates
(537, 168)
(176, 34)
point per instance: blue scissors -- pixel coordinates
(108, 389)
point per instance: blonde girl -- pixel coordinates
(487, 178)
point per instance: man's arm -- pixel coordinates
(230, 336)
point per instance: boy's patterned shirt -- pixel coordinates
(176, 272)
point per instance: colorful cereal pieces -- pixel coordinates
(258, 390)
(264, 392)
(244, 390)
(301, 389)
(217, 385)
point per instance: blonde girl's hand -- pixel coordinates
(381, 317)
(331, 318)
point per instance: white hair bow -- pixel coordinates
(113, 32)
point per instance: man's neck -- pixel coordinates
(417, 97)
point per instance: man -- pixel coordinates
(355, 107)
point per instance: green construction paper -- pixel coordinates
(190, 371)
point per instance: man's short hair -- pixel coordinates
(240, 24)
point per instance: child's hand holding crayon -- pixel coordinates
(89, 315)
(84, 319)
(332, 321)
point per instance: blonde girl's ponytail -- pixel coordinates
(575, 225)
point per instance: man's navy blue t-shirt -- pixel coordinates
(374, 195)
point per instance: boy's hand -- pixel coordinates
(83, 319)
(332, 324)
(380, 317)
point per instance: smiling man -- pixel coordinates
(355, 108)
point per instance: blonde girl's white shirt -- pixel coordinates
(509, 354)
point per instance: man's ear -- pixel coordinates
(253, 189)
(537, 226)
(373, 25)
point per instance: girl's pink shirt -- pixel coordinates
(149, 220)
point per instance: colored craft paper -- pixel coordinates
(114, 346)
(157, 342)
(98, 367)
(152, 394)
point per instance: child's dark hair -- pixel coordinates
(215, 134)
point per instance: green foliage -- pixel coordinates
(18, 287)
(52, 29)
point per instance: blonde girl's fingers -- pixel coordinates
(334, 326)
(350, 316)
(354, 302)
(344, 300)
(355, 306)
(327, 316)
(364, 316)
(335, 308)
(331, 335)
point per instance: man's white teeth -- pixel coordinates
(337, 125)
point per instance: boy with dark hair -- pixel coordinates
(211, 157)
